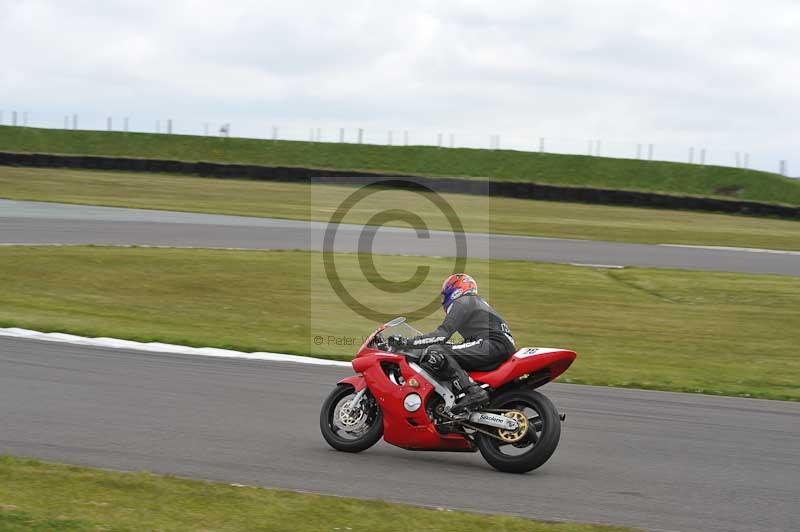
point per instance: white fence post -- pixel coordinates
(783, 169)
(594, 146)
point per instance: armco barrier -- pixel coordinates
(510, 189)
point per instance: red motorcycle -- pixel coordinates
(393, 397)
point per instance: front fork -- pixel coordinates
(356, 402)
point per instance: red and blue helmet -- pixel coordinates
(455, 286)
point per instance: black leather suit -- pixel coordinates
(487, 338)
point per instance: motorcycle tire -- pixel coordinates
(361, 441)
(543, 433)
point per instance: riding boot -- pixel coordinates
(473, 395)
(444, 365)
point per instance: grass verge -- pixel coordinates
(37, 496)
(318, 202)
(577, 170)
(715, 333)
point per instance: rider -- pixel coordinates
(487, 340)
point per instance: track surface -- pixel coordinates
(663, 461)
(48, 223)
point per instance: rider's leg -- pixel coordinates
(481, 355)
(441, 361)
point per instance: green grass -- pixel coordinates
(714, 333)
(38, 496)
(478, 214)
(576, 170)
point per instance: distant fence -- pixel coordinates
(690, 151)
(509, 189)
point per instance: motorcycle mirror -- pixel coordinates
(395, 322)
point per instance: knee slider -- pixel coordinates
(434, 358)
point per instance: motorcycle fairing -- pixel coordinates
(409, 430)
(356, 381)
(528, 360)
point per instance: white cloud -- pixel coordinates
(722, 74)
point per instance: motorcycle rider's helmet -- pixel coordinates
(455, 286)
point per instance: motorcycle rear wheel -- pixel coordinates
(538, 444)
(361, 431)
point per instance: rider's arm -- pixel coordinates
(456, 316)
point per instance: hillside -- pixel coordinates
(575, 170)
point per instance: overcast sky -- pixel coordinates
(723, 74)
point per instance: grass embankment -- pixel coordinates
(713, 333)
(318, 202)
(575, 170)
(38, 497)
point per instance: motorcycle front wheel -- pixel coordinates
(538, 443)
(349, 430)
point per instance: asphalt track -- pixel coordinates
(662, 461)
(50, 223)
